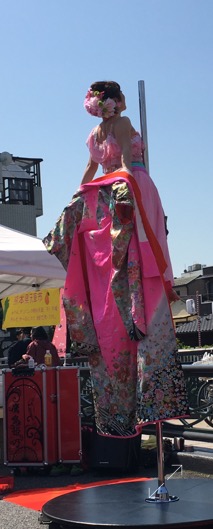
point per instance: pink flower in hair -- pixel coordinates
(91, 105)
(109, 107)
(96, 106)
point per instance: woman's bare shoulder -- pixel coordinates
(122, 123)
(124, 119)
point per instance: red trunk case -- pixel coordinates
(42, 416)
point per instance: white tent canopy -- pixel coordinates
(25, 264)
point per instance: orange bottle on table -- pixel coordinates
(48, 358)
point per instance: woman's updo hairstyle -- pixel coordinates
(103, 99)
(110, 88)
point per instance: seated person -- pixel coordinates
(18, 348)
(39, 346)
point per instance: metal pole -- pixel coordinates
(144, 136)
(143, 123)
(161, 495)
(160, 453)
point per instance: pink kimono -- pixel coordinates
(111, 239)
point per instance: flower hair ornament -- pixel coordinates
(96, 106)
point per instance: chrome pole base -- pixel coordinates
(161, 496)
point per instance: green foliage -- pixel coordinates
(182, 345)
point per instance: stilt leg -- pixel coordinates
(161, 495)
(160, 454)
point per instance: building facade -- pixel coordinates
(197, 284)
(20, 193)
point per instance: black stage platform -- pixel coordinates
(123, 505)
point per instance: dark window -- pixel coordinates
(17, 191)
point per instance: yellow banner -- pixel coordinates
(32, 309)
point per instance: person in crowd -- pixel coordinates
(38, 347)
(112, 242)
(19, 348)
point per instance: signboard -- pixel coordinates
(32, 309)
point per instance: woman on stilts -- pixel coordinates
(112, 241)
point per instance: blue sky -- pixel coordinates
(52, 50)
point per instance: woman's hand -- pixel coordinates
(124, 168)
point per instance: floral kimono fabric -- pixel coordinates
(116, 302)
